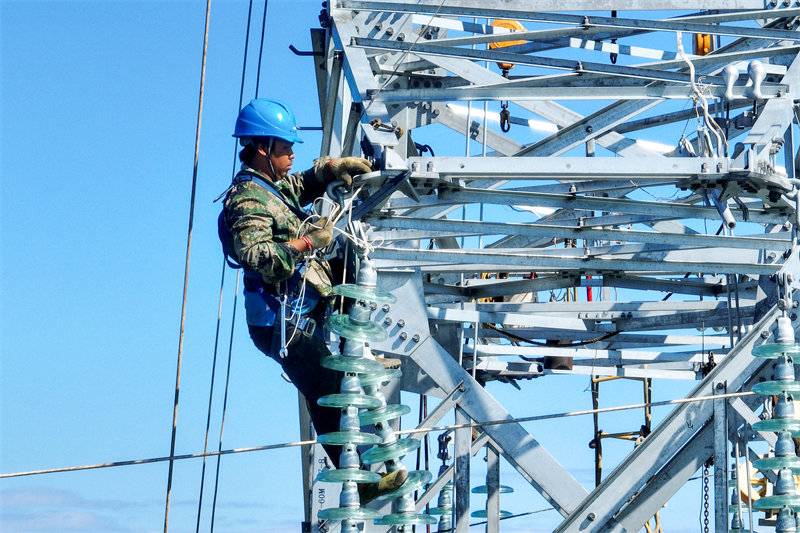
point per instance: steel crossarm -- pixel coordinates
(584, 310)
(573, 168)
(494, 368)
(594, 311)
(584, 92)
(600, 358)
(467, 227)
(537, 8)
(623, 340)
(711, 18)
(709, 286)
(541, 40)
(538, 61)
(597, 203)
(503, 261)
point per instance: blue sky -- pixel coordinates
(98, 106)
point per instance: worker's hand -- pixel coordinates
(345, 168)
(320, 233)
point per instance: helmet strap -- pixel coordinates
(249, 141)
(269, 158)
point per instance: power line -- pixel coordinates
(527, 513)
(158, 459)
(211, 395)
(261, 48)
(580, 413)
(225, 398)
(235, 295)
(401, 432)
(186, 270)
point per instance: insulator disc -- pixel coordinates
(779, 424)
(375, 379)
(777, 463)
(346, 399)
(770, 388)
(360, 292)
(773, 350)
(356, 365)
(390, 452)
(405, 519)
(348, 513)
(348, 437)
(342, 475)
(777, 502)
(483, 514)
(484, 489)
(416, 480)
(343, 326)
(440, 510)
(382, 414)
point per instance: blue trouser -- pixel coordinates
(302, 366)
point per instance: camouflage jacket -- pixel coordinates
(261, 224)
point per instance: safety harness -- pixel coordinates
(253, 281)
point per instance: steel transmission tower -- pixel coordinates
(609, 191)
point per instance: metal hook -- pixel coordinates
(505, 117)
(302, 53)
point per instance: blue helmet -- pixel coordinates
(263, 117)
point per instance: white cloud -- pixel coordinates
(45, 509)
(59, 521)
(51, 497)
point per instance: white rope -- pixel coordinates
(335, 214)
(715, 128)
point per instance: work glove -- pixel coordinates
(345, 168)
(321, 233)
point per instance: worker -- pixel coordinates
(287, 279)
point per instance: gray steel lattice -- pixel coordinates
(612, 177)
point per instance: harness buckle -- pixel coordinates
(310, 327)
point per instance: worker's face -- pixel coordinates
(281, 157)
